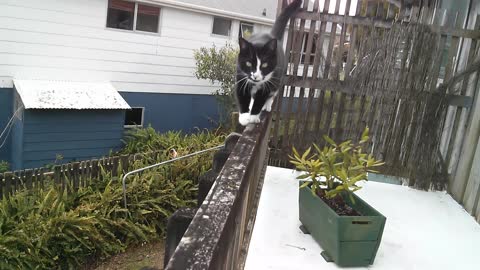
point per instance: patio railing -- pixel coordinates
(219, 234)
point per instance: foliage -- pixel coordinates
(147, 140)
(52, 228)
(58, 160)
(337, 167)
(218, 65)
(4, 166)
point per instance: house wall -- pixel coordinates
(175, 111)
(68, 40)
(6, 103)
(74, 134)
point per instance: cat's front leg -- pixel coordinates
(244, 118)
(259, 103)
(268, 104)
(243, 99)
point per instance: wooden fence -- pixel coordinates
(401, 78)
(465, 182)
(73, 175)
(220, 232)
(461, 141)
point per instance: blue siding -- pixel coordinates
(17, 145)
(6, 104)
(175, 111)
(74, 134)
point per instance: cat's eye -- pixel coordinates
(248, 64)
(264, 65)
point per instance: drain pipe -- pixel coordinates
(124, 186)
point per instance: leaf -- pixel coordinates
(329, 140)
(303, 176)
(304, 156)
(317, 148)
(352, 198)
(295, 152)
(305, 184)
(365, 135)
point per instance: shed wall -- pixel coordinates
(6, 103)
(73, 134)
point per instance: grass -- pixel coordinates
(134, 258)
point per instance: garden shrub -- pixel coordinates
(54, 228)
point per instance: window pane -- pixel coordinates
(120, 14)
(147, 18)
(133, 117)
(246, 30)
(221, 26)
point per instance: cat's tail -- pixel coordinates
(281, 22)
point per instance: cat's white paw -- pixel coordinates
(244, 119)
(255, 118)
(268, 105)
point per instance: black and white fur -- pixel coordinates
(261, 67)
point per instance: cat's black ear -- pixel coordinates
(271, 45)
(243, 44)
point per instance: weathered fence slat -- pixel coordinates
(28, 178)
(296, 56)
(304, 121)
(461, 114)
(382, 23)
(8, 183)
(2, 186)
(318, 62)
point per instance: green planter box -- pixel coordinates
(347, 240)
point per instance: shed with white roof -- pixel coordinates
(65, 121)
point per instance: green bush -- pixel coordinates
(219, 66)
(4, 166)
(148, 140)
(50, 228)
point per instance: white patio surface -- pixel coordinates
(424, 230)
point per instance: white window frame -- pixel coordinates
(135, 12)
(213, 24)
(143, 118)
(246, 23)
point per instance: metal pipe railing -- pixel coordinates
(124, 186)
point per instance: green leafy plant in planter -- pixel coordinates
(337, 168)
(346, 227)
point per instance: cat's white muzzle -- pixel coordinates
(256, 77)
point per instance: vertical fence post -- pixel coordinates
(8, 190)
(76, 175)
(28, 178)
(2, 184)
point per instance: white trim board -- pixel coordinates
(210, 11)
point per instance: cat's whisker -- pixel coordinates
(241, 80)
(245, 86)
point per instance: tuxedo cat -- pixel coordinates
(261, 66)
